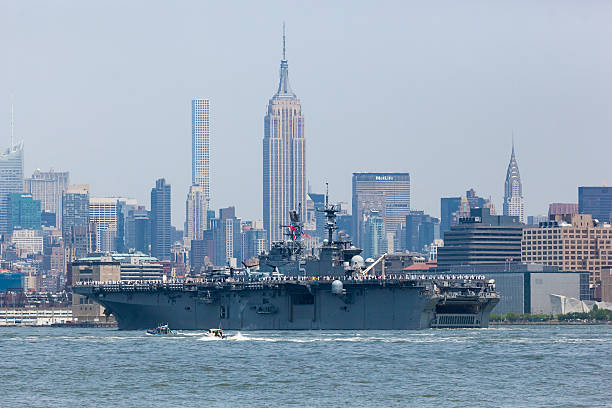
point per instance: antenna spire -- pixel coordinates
(284, 58)
(12, 126)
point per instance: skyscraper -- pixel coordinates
(200, 144)
(227, 236)
(107, 213)
(513, 191)
(318, 201)
(449, 207)
(420, 231)
(373, 234)
(453, 208)
(196, 209)
(81, 240)
(161, 228)
(387, 193)
(596, 201)
(11, 180)
(75, 209)
(255, 240)
(138, 229)
(24, 212)
(47, 187)
(284, 157)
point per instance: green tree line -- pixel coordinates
(595, 315)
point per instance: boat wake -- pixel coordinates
(209, 338)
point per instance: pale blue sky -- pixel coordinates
(103, 90)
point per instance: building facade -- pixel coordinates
(374, 235)
(284, 157)
(420, 231)
(449, 206)
(103, 212)
(481, 238)
(200, 144)
(28, 242)
(573, 243)
(24, 212)
(102, 269)
(81, 241)
(75, 208)
(562, 209)
(109, 214)
(387, 193)
(161, 226)
(227, 237)
(138, 230)
(596, 201)
(48, 187)
(536, 219)
(606, 284)
(315, 217)
(195, 213)
(454, 208)
(513, 190)
(11, 180)
(255, 240)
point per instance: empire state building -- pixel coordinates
(284, 157)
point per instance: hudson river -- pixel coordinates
(517, 366)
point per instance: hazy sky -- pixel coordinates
(435, 88)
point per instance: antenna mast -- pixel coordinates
(284, 59)
(12, 126)
(330, 214)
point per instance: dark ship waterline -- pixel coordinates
(339, 293)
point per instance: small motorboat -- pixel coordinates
(216, 333)
(161, 330)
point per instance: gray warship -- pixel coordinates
(292, 291)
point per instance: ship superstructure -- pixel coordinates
(334, 258)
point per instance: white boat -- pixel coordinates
(216, 333)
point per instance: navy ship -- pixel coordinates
(332, 291)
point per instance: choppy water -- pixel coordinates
(556, 366)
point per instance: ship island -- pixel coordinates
(290, 290)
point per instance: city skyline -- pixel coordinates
(167, 190)
(538, 120)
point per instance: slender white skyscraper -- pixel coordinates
(513, 190)
(284, 157)
(200, 143)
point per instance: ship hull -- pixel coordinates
(289, 306)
